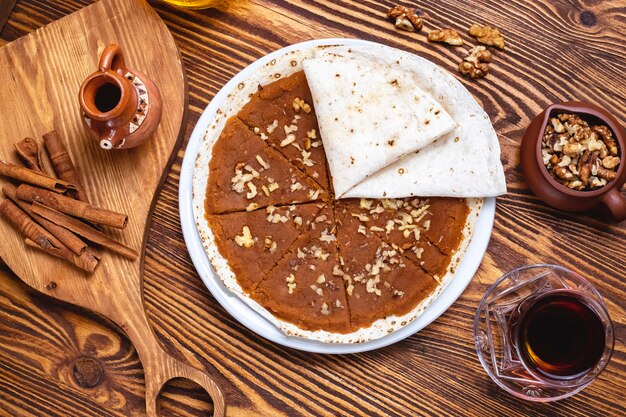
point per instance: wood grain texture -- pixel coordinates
(41, 72)
(557, 50)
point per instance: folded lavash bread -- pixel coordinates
(463, 163)
(370, 113)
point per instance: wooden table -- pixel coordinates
(56, 360)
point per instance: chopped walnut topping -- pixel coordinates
(252, 192)
(390, 204)
(337, 271)
(300, 254)
(252, 206)
(313, 195)
(320, 253)
(427, 225)
(377, 210)
(321, 279)
(361, 217)
(349, 289)
(370, 285)
(271, 128)
(398, 294)
(273, 187)
(338, 304)
(298, 104)
(365, 203)
(240, 179)
(266, 190)
(289, 129)
(317, 290)
(277, 218)
(390, 226)
(291, 138)
(376, 229)
(419, 214)
(325, 310)
(291, 283)
(311, 134)
(295, 186)
(269, 244)
(297, 220)
(306, 159)
(418, 252)
(406, 19)
(327, 237)
(487, 35)
(449, 36)
(245, 240)
(361, 230)
(261, 162)
(320, 219)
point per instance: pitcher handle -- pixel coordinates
(112, 59)
(615, 202)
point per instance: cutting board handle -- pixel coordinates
(160, 368)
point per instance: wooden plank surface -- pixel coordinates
(557, 50)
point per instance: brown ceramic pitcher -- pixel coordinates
(121, 106)
(548, 189)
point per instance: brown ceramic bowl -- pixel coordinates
(559, 196)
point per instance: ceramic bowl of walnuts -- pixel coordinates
(572, 157)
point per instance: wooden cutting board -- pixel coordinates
(40, 76)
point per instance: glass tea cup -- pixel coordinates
(542, 333)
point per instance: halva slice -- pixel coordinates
(246, 174)
(282, 114)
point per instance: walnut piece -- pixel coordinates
(487, 35)
(449, 36)
(406, 19)
(245, 240)
(476, 63)
(577, 155)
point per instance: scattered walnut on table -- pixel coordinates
(449, 36)
(487, 35)
(577, 155)
(476, 63)
(406, 19)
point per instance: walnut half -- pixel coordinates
(449, 36)
(475, 64)
(487, 35)
(406, 19)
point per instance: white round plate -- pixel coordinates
(254, 321)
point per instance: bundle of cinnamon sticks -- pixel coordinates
(52, 210)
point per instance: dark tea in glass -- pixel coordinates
(559, 335)
(543, 333)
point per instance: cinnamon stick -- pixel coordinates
(69, 239)
(63, 165)
(83, 230)
(36, 178)
(87, 261)
(72, 207)
(40, 238)
(28, 151)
